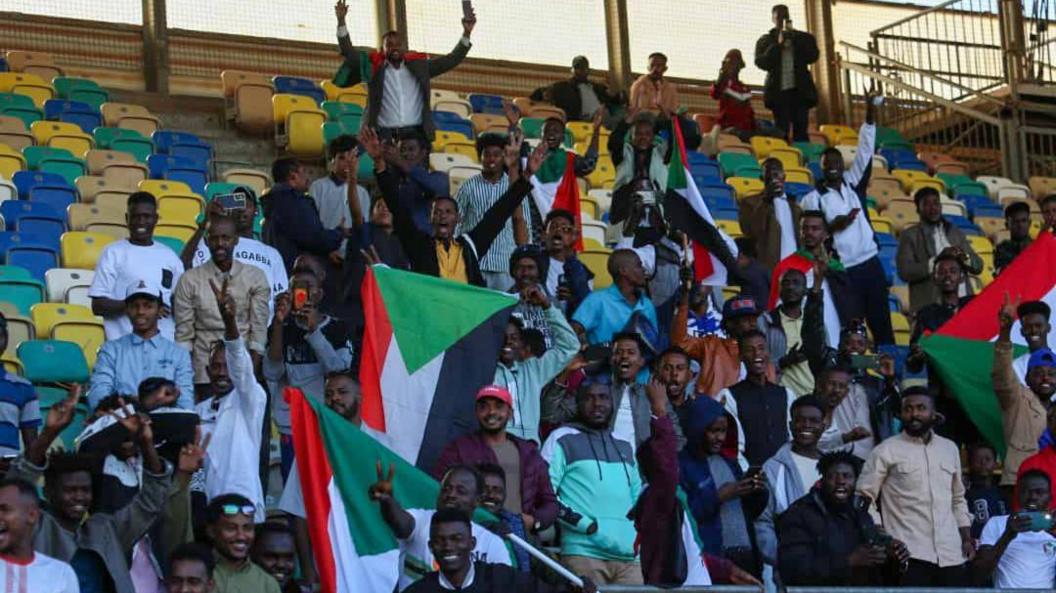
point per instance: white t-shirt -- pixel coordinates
(623, 428)
(43, 574)
(1029, 562)
(415, 549)
(783, 213)
(121, 265)
(257, 254)
(807, 468)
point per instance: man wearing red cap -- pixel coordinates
(534, 498)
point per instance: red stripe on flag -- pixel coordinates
(316, 473)
(376, 341)
(1029, 278)
(703, 267)
(792, 262)
(567, 196)
(681, 145)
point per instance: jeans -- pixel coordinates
(868, 299)
(790, 115)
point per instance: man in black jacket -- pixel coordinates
(441, 253)
(827, 538)
(784, 54)
(412, 73)
(578, 96)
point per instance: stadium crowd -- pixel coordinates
(651, 432)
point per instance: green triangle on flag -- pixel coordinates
(553, 167)
(454, 310)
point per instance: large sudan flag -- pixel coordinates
(962, 350)
(354, 548)
(713, 249)
(429, 345)
(554, 186)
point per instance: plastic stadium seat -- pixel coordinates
(47, 315)
(22, 293)
(705, 170)
(443, 138)
(87, 120)
(132, 117)
(81, 89)
(1013, 192)
(222, 187)
(489, 123)
(745, 186)
(900, 325)
(39, 63)
(597, 262)
(335, 93)
(298, 124)
(14, 273)
(1041, 186)
(174, 168)
(811, 152)
(82, 249)
(125, 140)
(882, 224)
(20, 106)
(336, 111)
(19, 326)
(62, 135)
(440, 161)
(730, 162)
(29, 85)
(26, 181)
(484, 103)
(119, 167)
(837, 134)
(457, 175)
(763, 145)
(902, 213)
(790, 157)
(889, 135)
(256, 180)
(13, 133)
(907, 177)
(60, 280)
(461, 126)
(180, 209)
(294, 85)
(164, 140)
(14, 210)
(161, 187)
(800, 175)
(249, 96)
(334, 129)
(82, 216)
(732, 144)
(53, 361)
(604, 173)
(919, 184)
(456, 106)
(11, 161)
(37, 259)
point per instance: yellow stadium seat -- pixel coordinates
(837, 134)
(304, 132)
(728, 292)
(258, 181)
(91, 186)
(183, 232)
(588, 205)
(731, 143)
(931, 182)
(604, 173)
(581, 130)
(62, 135)
(489, 123)
(13, 133)
(902, 213)
(11, 363)
(444, 137)
(47, 315)
(799, 175)
(991, 225)
(30, 85)
(19, 327)
(131, 117)
(745, 186)
(900, 324)
(180, 209)
(731, 228)
(762, 146)
(907, 177)
(902, 292)
(86, 334)
(161, 187)
(885, 191)
(82, 249)
(1042, 186)
(791, 158)
(592, 244)
(981, 245)
(883, 224)
(111, 229)
(597, 261)
(466, 149)
(11, 161)
(594, 230)
(334, 92)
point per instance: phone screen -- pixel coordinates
(861, 362)
(231, 201)
(467, 8)
(300, 298)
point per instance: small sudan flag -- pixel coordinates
(713, 249)
(962, 350)
(554, 186)
(429, 345)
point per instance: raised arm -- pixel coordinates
(493, 221)
(344, 42)
(399, 520)
(402, 219)
(866, 143)
(566, 344)
(252, 398)
(1006, 384)
(438, 66)
(135, 518)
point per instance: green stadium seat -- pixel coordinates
(124, 139)
(81, 89)
(532, 127)
(22, 293)
(730, 162)
(70, 168)
(20, 106)
(14, 273)
(51, 361)
(216, 188)
(811, 150)
(171, 242)
(35, 154)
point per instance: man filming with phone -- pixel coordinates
(1019, 550)
(785, 53)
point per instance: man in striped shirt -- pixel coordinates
(477, 195)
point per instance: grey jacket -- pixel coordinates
(559, 407)
(111, 536)
(784, 487)
(423, 71)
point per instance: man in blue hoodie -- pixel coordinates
(595, 476)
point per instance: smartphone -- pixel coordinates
(753, 471)
(864, 362)
(231, 202)
(597, 353)
(1039, 520)
(881, 540)
(300, 298)
(467, 9)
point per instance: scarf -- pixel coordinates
(731, 515)
(353, 72)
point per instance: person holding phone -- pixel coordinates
(1019, 550)
(785, 55)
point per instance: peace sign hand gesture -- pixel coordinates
(381, 490)
(224, 301)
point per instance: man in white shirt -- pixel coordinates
(21, 568)
(398, 93)
(842, 200)
(1019, 550)
(126, 262)
(248, 250)
(233, 414)
(460, 490)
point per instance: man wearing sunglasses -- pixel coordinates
(230, 527)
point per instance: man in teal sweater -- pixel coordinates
(596, 479)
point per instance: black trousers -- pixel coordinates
(791, 115)
(868, 292)
(926, 574)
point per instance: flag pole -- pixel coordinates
(550, 562)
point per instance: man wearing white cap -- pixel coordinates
(125, 362)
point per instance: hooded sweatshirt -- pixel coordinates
(594, 474)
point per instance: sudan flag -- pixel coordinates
(429, 345)
(684, 207)
(962, 350)
(803, 261)
(554, 186)
(354, 548)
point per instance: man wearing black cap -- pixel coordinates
(124, 363)
(1017, 221)
(578, 96)
(528, 265)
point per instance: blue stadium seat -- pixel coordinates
(815, 171)
(74, 112)
(3, 65)
(796, 190)
(886, 240)
(10, 239)
(200, 153)
(705, 170)
(461, 126)
(894, 304)
(14, 211)
(993, 210)
(963, 223)
(716, 190)
(38, 260)
(299, 86)
(25, 181)
(725, 214)
(164, 139)
(48, 227)
(899, 353)
(58, 197)
(695, 157)
(897, 154)
(159, 165)
(913, 165)
(447, 116)
(486, 103)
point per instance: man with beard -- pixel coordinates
(914, 480)
(799, 313)
(1023, 409)
(760, 407)
(527, 265)
(771, 218)
(577, 96)
(1017, 221)
(599, 482)
(460, 490)
(1013, 549)
(229, 525)
(530, 496)
(606, 312)
(672, 369)
(525, 378)
(566, 277)
(849, 424)
(24, 569)
(827, 539)
(274, 551)
(790, 473)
